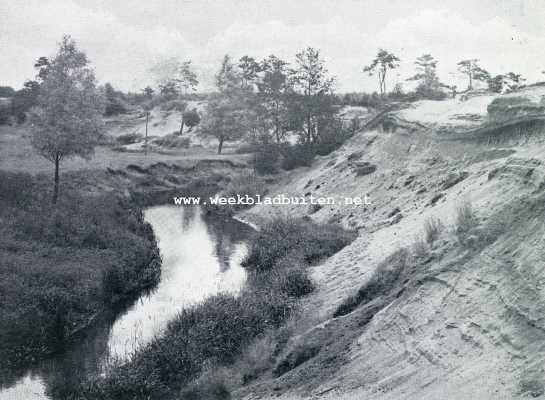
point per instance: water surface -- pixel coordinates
(201, 257)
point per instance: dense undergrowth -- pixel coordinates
(220, 330)
(61, 265)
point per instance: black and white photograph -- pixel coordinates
(272, 199)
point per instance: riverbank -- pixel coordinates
(217, 332)
(63, 265)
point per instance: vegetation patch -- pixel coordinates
(62, 264)
(220, 330)
(380, 283)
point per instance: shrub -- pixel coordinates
(129, 138)
(332, 138)
(173, 141)
(465, 221)
(299, 155)
(296, 357)
(432, 229)
(60, 265)
(380, 283)
(283, 236)
(266, 159)
(210, 387)
(217, 331)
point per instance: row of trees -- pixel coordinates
(429, 85)
(264, 99)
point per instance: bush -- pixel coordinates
(173, 141)
(299, 155)
(129, 138)
(465, 221)
(432, 229)
(380, 283)
(266, 159)
(332, 138)
(61, 265)
(217, 331)
(282, 237)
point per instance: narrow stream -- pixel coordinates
(201, 257)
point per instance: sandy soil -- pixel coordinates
(468, 323)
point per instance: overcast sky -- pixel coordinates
(125, 38)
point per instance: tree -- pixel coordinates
(228, 78)
(68, 119)
(148, 92)
(7, 91)
(114, 103)
(383, 61)
(473, 71)
(42, 64)
(513, 81)
(174, 77)
(249, 70)
(225, 119)
(191, 118)
(313, 101)
(169, 89)
(227, 116)
(273, 90)
(426, 75)
(187, 79)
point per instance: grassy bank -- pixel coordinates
(63, 264)
(218, 331)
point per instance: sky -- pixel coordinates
(124, 39)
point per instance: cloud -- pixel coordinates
(123, 50)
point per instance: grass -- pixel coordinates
(58, 263)
(465, 223)
(432, 229)
(280, 238)
(223, 329)
(380, 283)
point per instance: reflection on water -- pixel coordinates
(201, 257)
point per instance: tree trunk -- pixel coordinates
(56, 184)
(220, 144)
(146, 140)
(182, 127)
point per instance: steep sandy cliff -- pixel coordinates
(465, 317)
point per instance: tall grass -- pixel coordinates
(220, 330)
(61, 265)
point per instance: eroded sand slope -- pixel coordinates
(464, 321)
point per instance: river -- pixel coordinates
(201, 257)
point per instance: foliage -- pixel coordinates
(58, 265)
(432, 229)
(129, 138)
(380, 283)
(273, 91)
(473, 71)
(217, 331)
(280, 237)
(68, 120)
(174, 78)
(191, 118)
(7, 91)
(115, 103)
(298, 155)
(429, 86)
(380, 65)
(311, 106)
(266, 157)
(173, 140)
